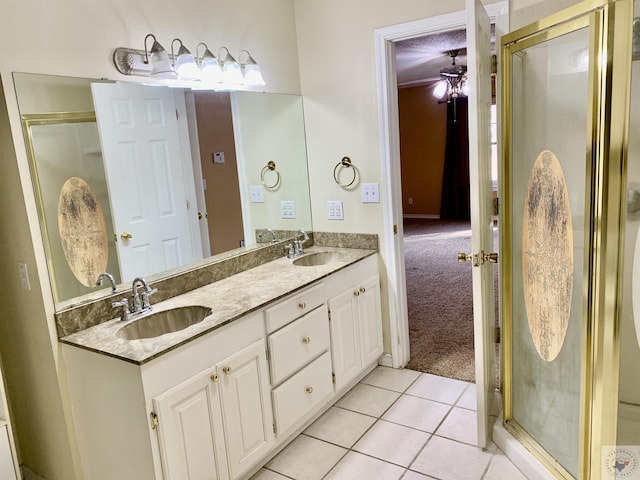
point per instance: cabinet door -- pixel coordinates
(370, 320)
(246, 407)
(345, 339)
(190, 430)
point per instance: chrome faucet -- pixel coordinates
(109, 277)
(141, 301)
(274, 239)
(298, 249)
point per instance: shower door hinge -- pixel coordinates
(496, 335)
(496, 206)
(395, 229)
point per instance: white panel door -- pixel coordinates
(190, 430)
(143, 165)
(370, 319)
(479, 76)
(246, 406)
(345, 338)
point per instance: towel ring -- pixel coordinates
(271, 166)
(346, 163)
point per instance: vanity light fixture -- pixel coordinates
(202, 71)
(160, 64)
(209, 66)
(252, 73)
(231, 72)
(184, 63)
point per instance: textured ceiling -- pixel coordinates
(419, 60)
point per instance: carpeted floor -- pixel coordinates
(439, 297)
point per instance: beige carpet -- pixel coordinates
(439, 297)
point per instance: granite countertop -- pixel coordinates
(229, 299)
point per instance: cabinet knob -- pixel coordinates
(214, 377)
(126, 236)
(227, 370)
(306, 339)
(309, 389)
(302, 305)
(356, 293)
(362, 290)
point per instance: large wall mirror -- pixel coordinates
(140, 180)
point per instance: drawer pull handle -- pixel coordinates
(214, 377)
(362, 290)
(227, 370)
(306, 340)
(309, 389)
(302, 305)
(356, 293)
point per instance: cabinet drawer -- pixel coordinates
(290, 309)
(301, 393)
(296, 344)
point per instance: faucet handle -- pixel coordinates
(145, 298)
(124, 303)
(290, 250)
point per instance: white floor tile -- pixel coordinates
(449, 460)
(340, 426)
(391, 378)
(392, 443)
(306, 459)
(440, 389)
(409, 475)
(355, 466)
(501, 468)
(369, 400)
(461, 425)
(469, 399)
(418, 413)
(265, 474)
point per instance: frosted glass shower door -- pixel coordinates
(547, 177)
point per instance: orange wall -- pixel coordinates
(222, 196)
(423, 123)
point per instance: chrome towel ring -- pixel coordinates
(345, 163)
(270, 167)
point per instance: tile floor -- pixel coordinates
(394, 425)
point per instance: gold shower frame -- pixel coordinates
(29, 121)
(610, 23)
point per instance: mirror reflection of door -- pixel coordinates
(145, 177)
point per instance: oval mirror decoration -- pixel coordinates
(83, 231)
(547, 255)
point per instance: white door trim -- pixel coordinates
(385, 39)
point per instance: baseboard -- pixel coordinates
(519, 455)
(386, 360)
(28, 474)
(420, 215)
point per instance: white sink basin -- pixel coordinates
(166, 321)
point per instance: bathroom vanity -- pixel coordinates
(219, 398)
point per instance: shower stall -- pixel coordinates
(570, 237)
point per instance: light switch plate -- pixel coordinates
(334, 210)
(288, 209)
(370, 193)
(256, 193)
(218, 157)
(24, 276)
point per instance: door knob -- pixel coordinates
(478, 258)
(126, 236)
(464, 257)
(490, 257)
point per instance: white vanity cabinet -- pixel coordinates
(356, 329)
(218, 423)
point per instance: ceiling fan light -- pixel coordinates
(440, 89)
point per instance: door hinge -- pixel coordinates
(329, 313)
(267, 352)
(153, 418)
(395, 229)
(274, 429)
(496, 207)
(496, 335)
(333, 378)
(177, 114)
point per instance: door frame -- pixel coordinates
(387, 86)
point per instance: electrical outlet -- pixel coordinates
(256, 193)
(287, 209)
(410, 200)
(370, 193)
(334, 210)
